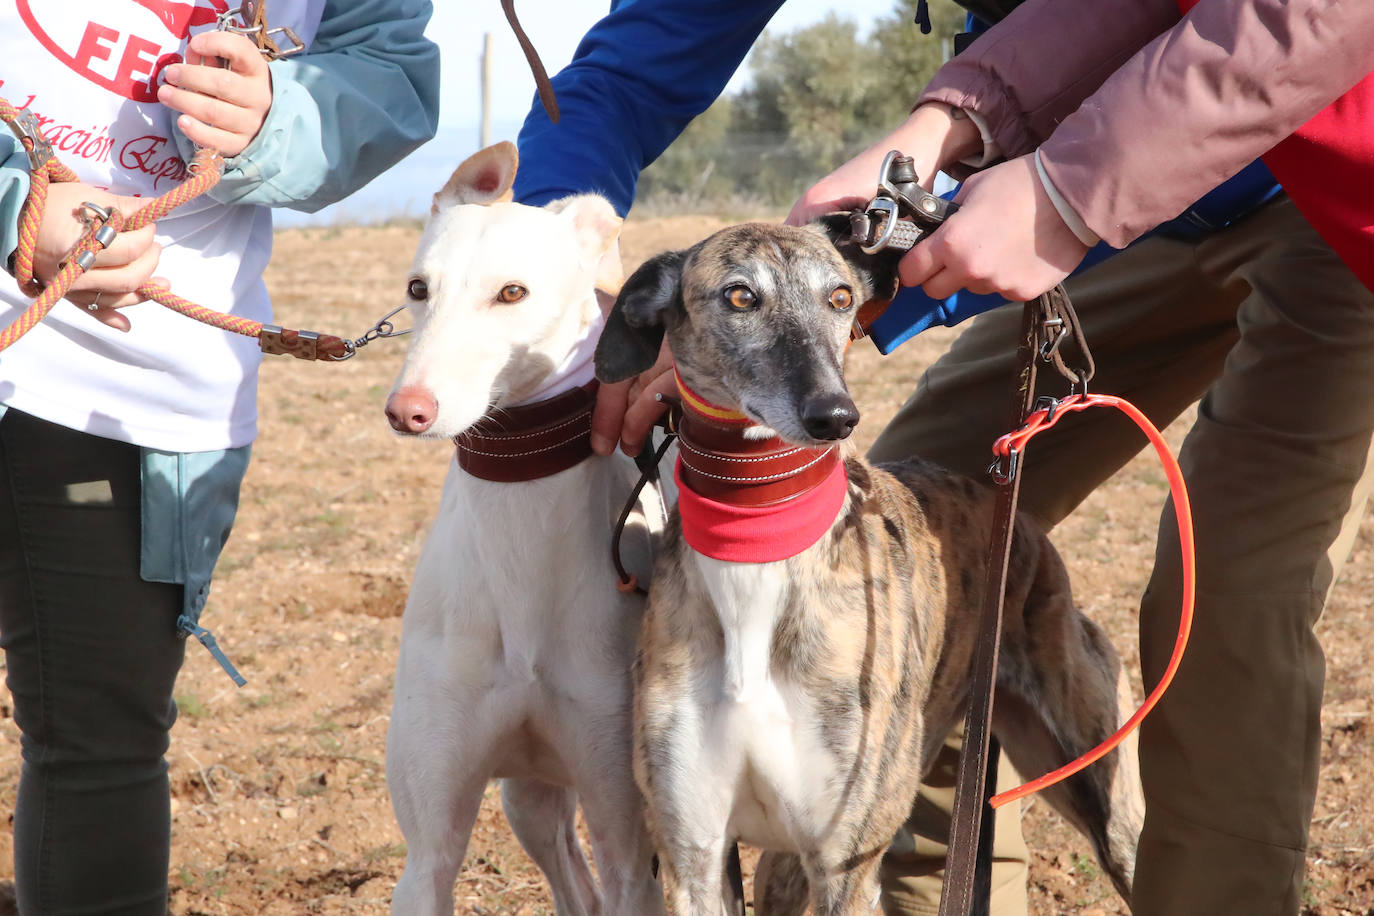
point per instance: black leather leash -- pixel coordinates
(1046, 324)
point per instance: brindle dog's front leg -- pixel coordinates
(780, 885)
(693, 846)
(852, 891)
(784, 883)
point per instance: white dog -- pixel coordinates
(516, 646)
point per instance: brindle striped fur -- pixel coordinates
(873, 627)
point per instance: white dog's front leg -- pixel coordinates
(435, 846)
(436, 771)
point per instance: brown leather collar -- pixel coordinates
(868, 313)
(719, 463)
(532, 441)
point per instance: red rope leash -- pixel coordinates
(1009, 447)
(205, 170)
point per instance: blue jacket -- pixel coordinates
(650, 66)
(638, 78)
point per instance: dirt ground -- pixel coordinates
(280, 802)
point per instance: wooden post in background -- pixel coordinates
(486, 92)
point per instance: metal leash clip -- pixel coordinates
(248, 19)
(382, 329)
(97, 220)
(901, 213)
(25, 126)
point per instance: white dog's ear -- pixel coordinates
(485, 177)
(598, 233)
(594, 220)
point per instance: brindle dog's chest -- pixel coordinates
(811, 674)
(777, 749)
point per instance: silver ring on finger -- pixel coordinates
(94, 306)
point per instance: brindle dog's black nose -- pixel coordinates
(831, 416)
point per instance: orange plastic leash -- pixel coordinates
(205, 169)
(1009, 447)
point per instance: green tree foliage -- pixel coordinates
(817, 96)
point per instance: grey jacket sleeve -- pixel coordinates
(1131, 136)
(363, 96)
(14, 190)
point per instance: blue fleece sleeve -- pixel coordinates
(363, 96)
(638, 77)
(14, 189)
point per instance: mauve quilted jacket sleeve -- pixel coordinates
(1137, 112)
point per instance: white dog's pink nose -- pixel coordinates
(411, 410)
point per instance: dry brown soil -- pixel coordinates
(280, 802)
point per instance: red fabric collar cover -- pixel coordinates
(724, 530)
(760, 534)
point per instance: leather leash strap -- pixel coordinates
(1045, 323)
(541, 76)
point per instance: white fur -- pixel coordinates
(472, 352)
(516, 646)
(747, 760)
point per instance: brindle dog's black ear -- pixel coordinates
(879, 270)
(633, 334)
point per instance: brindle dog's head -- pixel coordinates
(757, 316)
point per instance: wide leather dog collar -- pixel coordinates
(751, 500)
(532, 441)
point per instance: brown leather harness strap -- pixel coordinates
(868, 313)
(1045, 324)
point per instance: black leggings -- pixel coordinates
(92, 654)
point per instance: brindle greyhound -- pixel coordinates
(794, 704)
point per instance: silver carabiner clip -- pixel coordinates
(887, 207)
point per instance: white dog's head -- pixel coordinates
(503, 296)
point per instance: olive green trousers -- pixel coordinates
(1264, 325)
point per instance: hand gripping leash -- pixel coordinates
(103, 224)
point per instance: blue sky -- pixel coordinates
(555, 26)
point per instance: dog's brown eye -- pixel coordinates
(741, 297)
(417, 289)
(512, 292)
(841, 299)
